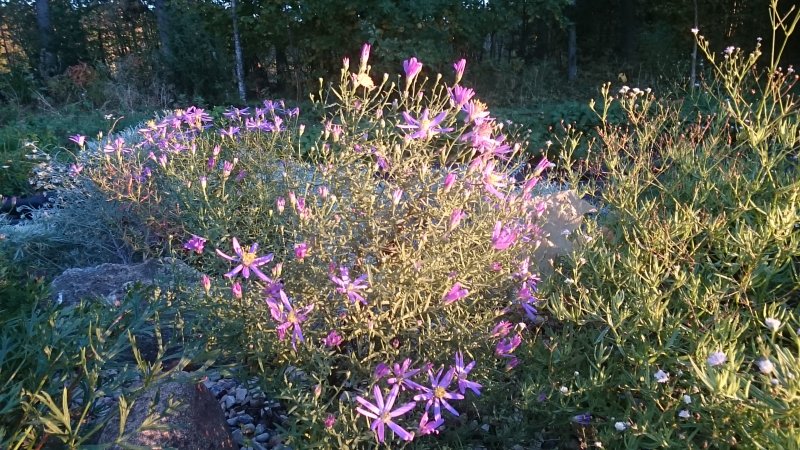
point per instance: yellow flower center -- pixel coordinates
(248, 258)
(439, 392)
(291, 317)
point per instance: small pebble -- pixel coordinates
(238, 437)
(245, 418)
(263, 437)
(241, 395)
(228, 401)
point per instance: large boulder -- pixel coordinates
(110, 282)
(197, 423)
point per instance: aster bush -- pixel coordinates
(677, 325)
(378, 278)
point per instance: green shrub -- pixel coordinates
(677, 325)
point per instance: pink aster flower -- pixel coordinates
(455, 218)
(456, 293)
(382, 414)
(330, 420)
(459, 67)
(425, 127)
(333, 339)
(288, 317)
(429, 427)
(248, 260)
(300, 250)
(502, 329)
(460, 95)
(449, 179)
(195, 244)
(78, 139)
(503, 237)
(437, 394)
(412, 67)
(507, 346)
(364, 57)
(205, 282)
(236, 290)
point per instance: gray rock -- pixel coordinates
(197, 424)
(245, 418)
(228, 401)
(241, 395)
(263, 437)
(248, 428)
(238, 437)
(110, 282)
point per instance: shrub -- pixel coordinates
(396, 246)
(676, 325)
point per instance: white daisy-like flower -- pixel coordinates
(621, 426)
(772, 323)
(684, 414)
(717, 359)
(687, 399)
(765, 366)
(661, 376)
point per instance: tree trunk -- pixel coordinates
(47, 60)
(572, 53)
(237, 47)
(693, 77)
(162, 23)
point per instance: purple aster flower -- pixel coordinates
(333, 339)
(211, 163)
(78, 139)
(288, 318)
(350, 287)
(461, 373)
(300, 250)
(437, 395)
(248, 260)
(236, 290)
(717, 359)
(402, 376)
(412, 67)
(382, 370)
(195, 244)
(205, 282)
(512, 362)
(235, 113)
(230, 132)
(460, 95)
(425, 127)
(459, 67)
(382, 413)
(503, 237)
(428, 427)
(584, 419)
(506, 346)
(330, 420)
(456, 293)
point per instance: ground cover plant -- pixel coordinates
(377, 276)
